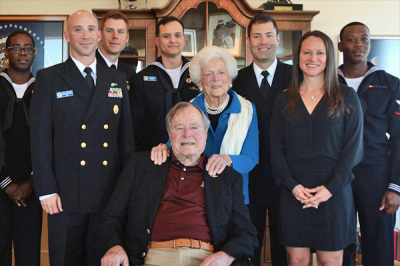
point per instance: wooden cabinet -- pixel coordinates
(202, 20)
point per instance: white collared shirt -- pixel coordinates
(82, 67)
(108, 61)
(271, 70)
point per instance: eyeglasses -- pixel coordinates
(19, 49)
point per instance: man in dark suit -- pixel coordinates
(113, 39)
(82, 136)
(376, 186)
(161, 85)
(176, 213)
(21, 213)
(261, 88)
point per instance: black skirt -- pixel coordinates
(332, 226)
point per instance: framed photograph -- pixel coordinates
(47, 32)
(385, 53)
(190, 48)
(224, 32)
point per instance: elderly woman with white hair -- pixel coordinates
(232, 139)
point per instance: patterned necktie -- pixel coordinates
(89, 78)
(265, 87)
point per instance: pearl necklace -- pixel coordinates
(218, 110)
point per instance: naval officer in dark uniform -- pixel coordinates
(114, 29)
(82, 135)
(376, 186)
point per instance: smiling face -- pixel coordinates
(82, 34)
(21, 62)
(263, 42)
(215, 80)
(312, 59)
(171, 39)
(187, 134)
(356, 44)
(114, 36)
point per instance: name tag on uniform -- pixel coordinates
(150, 78)
(115, 93)
(63, 94)
(378, 86)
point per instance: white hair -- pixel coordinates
(207, 54)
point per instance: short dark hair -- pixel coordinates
(15, 33)
(355, 23)
(112, 14)
(166, 21)
(261, 18)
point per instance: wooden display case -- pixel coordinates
(201, 17)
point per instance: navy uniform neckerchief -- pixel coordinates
(8, 118)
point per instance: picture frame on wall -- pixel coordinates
(190, 48)
(224, 32)
(385, 53)
(47, 32)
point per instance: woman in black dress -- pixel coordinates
(316, 139)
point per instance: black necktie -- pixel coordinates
(89, 78)
(113, 66)
(264, 83)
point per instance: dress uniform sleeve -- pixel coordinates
(125, 129)
(280, 168)
(394, 132)
(138, 110)
(352, 151)
(114, 217)
(5, 181)
(41, 123)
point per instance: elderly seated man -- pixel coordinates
(176, 213)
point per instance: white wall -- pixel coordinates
(381, 16)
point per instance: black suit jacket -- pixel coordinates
(261, 183)
(130, 215)
(80, 140)
(123, 67)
